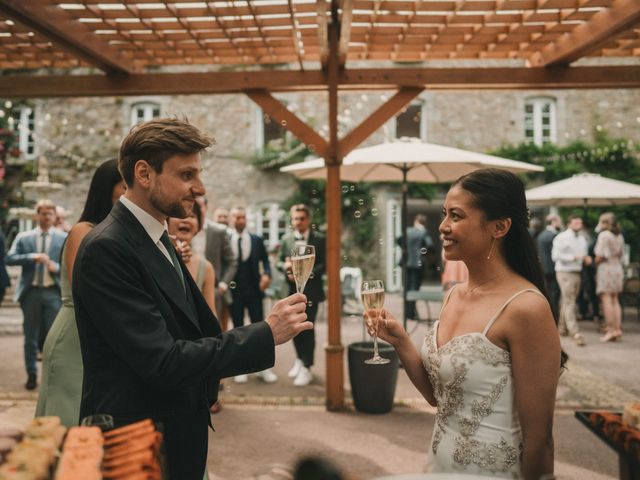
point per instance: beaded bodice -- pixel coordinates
(476, 429)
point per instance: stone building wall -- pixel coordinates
(76, 130)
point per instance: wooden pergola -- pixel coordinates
(50, 48)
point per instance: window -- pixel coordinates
(540, 120)
(270, 223)
(143, 112)
(411, 123)
(23, 122)
(270, 132)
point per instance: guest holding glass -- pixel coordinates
(609, 274)
(61, 388)
(491, 362)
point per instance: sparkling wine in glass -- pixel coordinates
(302, 259)
(372, 294)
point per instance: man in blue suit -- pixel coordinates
(252, 278)
(38, 252)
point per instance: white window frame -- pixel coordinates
(423, 120)
(274, 214)
(24, 127)
(393, 227)
(538, 104)
(147, 109)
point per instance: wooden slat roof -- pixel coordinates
(145, 33)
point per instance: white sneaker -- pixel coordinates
(241, 378)
(304, 377)
(295, 370)
(267, 376)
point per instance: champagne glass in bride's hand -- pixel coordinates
(372, 293)
(302, 259)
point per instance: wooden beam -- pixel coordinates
(603, 27)
(51, 22)
(333, 198)
(297, 36)
(323, 36)
(345, 31)
(492, 78)
(280, 113)
(40, 86)
(378, 118)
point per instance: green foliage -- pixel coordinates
(277, 154)
(611, 157)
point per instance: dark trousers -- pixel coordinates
(414, 280)
(39, 307)
(305, 342)
(247, 300)
(588, 302)
(553, 289)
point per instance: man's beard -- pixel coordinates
(175, 209)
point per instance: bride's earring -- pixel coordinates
(493, 241)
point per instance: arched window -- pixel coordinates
(143, 112)
(23, 122)
(540, 120)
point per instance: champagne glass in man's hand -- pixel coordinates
(302, 259)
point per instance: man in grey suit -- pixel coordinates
(418, 242)
(38, 252)
(544, 241)
(214, 243)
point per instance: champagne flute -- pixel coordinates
(302, 259)
(372, 293)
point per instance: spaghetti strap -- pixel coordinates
(446, 301)
(497, 314)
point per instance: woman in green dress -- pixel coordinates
(61, 387)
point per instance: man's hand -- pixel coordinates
(265, 281)
(288, 318)
(184, 250)
(52, 267)
(222, 288)
(41, 258)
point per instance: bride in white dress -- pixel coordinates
(491, 362)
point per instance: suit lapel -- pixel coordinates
(159, 266)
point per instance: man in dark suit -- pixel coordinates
(5, 282)
(303, 235)
(151, 347)
(38, 252)
(544, 241)
(419, 242)
(252, 278)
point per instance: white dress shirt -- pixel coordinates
(301, 238)
(153, 227)
(568, 249)
(246, 244)
(47, 281)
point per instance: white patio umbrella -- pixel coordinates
(585, 189)
(408, 161)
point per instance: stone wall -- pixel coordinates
(75, 133)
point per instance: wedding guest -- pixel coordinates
(61, 388)
(38, 251)
(491, 363)
(610, 275)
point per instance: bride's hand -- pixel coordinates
(388, 328)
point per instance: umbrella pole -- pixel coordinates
(403, 242)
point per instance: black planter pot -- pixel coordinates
(372, 386)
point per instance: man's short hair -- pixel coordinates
(156, 141)
(239, 209)
(46, 204)
(300, 207)
(574, 215)
(552, 217)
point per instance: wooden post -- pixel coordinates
(334, 348)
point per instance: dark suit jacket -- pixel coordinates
(23, 251)
(4, 276)
(148, 349)
(545, 244)
(258, 255)
(314, 289)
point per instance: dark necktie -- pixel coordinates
(40, 266)
(239, 249)
(174, 258)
